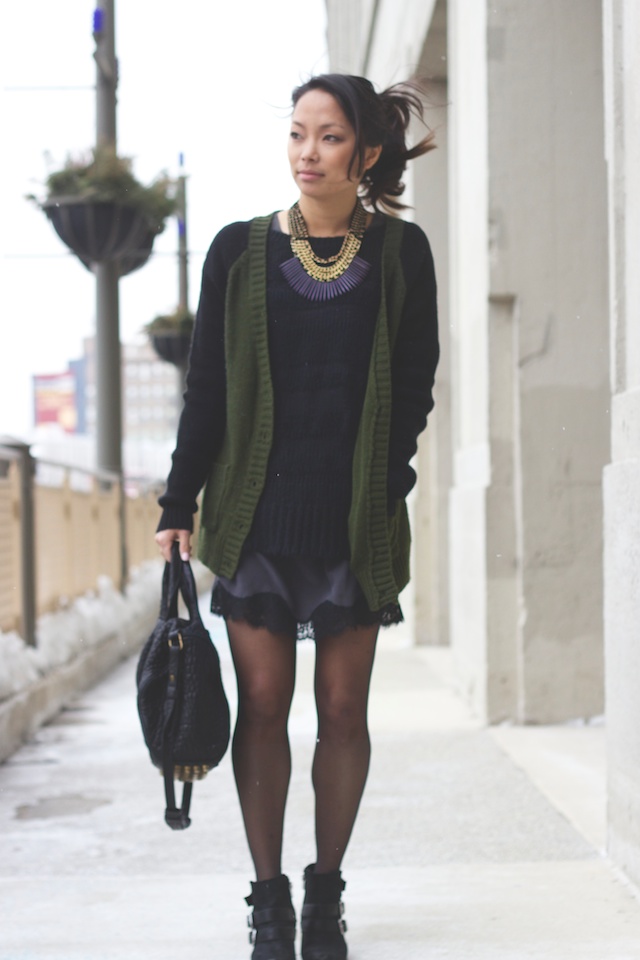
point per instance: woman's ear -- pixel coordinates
(371, 156)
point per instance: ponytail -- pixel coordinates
(382, 184)
(378, 119)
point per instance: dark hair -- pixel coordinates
(378, 119)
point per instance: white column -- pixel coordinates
(622, 475)
(468, 299)
(430, 522)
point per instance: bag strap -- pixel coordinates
(171, 585)
(178, 579)
(175, 817)
(189, 591)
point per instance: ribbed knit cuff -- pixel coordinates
(175, 517)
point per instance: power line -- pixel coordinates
(59, 256)
(47, 89)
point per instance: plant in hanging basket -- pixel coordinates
(102, 212)
(171, 335)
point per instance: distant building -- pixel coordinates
(66, 402)
(150, 393)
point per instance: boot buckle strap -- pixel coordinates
(323, 909)
(323, 924)
(283, 915)
(261, 934)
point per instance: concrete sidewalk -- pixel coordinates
(471, 843)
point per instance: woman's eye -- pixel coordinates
(332, 136)
(294, 135)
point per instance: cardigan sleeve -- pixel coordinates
(202, 422)
(414, 361)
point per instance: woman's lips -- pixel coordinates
(309, 175)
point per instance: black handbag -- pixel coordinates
(182, 705)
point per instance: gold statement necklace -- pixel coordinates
(322, 278)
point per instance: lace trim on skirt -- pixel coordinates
(327, 619)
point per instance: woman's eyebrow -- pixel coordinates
(323, 126)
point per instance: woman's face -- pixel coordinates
(321, 144)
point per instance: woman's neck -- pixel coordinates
(327, 218)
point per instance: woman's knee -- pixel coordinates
(341, 716)
(264, 702)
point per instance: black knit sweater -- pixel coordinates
(319, 356)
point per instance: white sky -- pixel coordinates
(209, 78)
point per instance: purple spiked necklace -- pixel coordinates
(318, 278)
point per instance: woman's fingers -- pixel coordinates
(185, 544)
(166, 538)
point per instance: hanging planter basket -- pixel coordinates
(103, 213)
(170, 336)
(172, 347)
(98, 231)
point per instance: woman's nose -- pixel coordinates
(309, 150)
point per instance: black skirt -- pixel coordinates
(303, 597)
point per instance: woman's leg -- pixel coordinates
(343, 749)
(265, 668)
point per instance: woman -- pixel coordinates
(310, 378)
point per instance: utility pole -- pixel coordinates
(108, 361)
(108, 391)
(183, 249)
(183, 265)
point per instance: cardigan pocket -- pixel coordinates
(214, 495)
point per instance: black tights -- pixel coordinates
(265, 668)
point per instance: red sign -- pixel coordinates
(54, 397)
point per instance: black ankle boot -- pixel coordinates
(273, 920)
(322, 923)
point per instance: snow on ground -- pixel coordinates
(85, 622)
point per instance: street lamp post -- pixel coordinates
(183, 264)
(108, 360)
(183, 248)
(108, 399)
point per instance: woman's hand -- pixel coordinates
(166, 538)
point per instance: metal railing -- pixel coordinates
(61, 529)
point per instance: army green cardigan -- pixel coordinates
(379, 543)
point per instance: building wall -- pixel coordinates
(380, 39)
(550, 249)
(347, 34)
(528, 263)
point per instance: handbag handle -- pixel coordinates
(178, 579)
